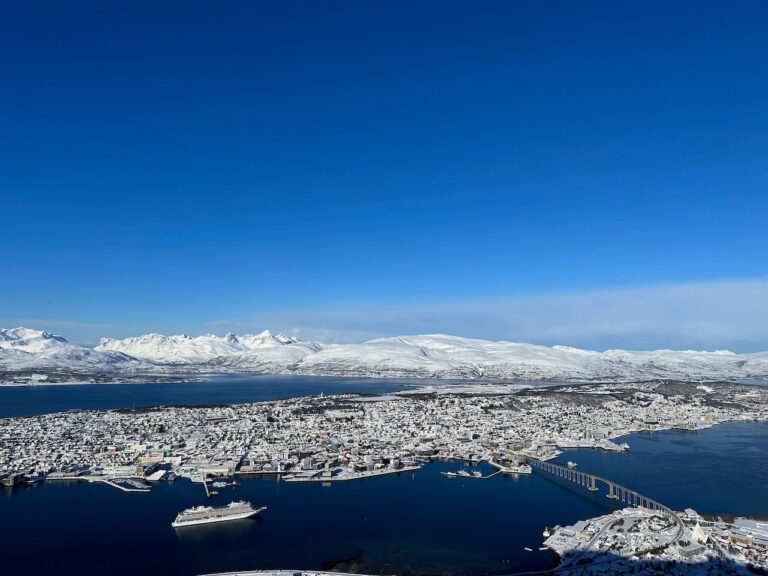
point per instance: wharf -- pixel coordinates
(470, 476)
(97, 480)
(501, 469)
(351, 475)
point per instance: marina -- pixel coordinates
(474, 475)
(123, 484)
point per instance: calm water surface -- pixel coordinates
(220, 389)
(216, 389)
(417, 522)
(720, 470)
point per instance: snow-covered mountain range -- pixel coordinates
(193, 350)
(24, 352)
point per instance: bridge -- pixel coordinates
(615, 491)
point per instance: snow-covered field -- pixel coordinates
(33, 353)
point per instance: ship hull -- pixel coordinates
(242, 516)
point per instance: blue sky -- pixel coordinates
(356, 169)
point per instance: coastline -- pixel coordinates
(347, 563)
(460, 426)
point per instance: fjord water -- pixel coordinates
(219, 389)
(417, 522)
(719, 470)
(214, 389)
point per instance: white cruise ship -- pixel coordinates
(207, 514)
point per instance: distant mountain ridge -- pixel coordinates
(183, 349)
(23, 350)
(26, 350)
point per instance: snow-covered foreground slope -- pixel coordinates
(435, 356)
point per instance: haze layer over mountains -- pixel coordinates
(28, 356)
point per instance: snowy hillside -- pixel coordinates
(443, 356)
(434, 356)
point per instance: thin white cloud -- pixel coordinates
(712, 315)
(50, 324)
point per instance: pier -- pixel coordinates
(317, 475)
(109, 481)
(471, 476)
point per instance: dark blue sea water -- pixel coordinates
(220, 389)
(216, 389)
(417, 522)
(720, 470)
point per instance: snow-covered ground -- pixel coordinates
(425, 356)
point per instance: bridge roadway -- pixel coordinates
(615, 491)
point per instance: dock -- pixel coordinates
(101, 480)
(470, 476)
(345, 476)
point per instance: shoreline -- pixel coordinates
(169, 376)
(553, 569)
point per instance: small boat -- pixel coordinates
(572, 464)
(528, 549)
(234, 483)
(546, 533)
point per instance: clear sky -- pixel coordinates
(358, 169)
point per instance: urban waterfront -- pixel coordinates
(414, 522)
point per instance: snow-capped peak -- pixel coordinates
(432, 355)
(265, 339)
(182, 349)
(29, 340)
(27, 350)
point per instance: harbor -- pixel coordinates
(363, 486)
(383, 521)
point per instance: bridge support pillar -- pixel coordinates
(592, 484)
(612, 492)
